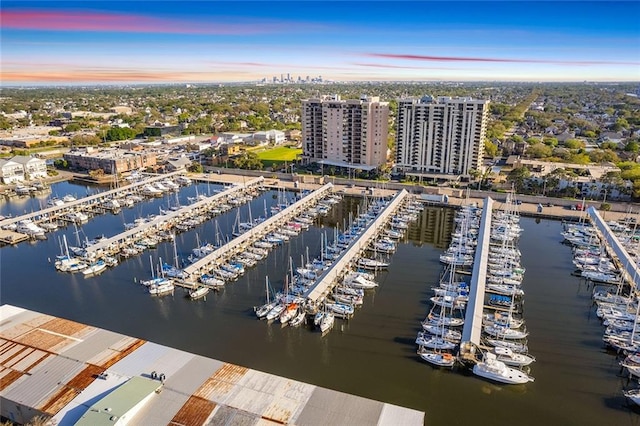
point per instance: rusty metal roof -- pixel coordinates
(60, 367)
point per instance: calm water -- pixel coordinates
(373, 354)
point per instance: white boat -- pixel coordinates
(633, 395)
(497, 371)
(327, 322)
(358, 280)
(69, 264)
(436, 357)
(95, 268)
(151, 191)
(69, 198)
(374, 264)
(509, 357)
(299, 319)
(183, 180)
(77, 217)
(111, 204)
(434, 342)
(198, 293)
(164, 287)
(27, 226)
(514, 346)
(505, 332)
(275, 312)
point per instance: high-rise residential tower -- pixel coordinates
(345, 133)
(440, 137)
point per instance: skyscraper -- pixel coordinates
(443, 136)
(345, 133)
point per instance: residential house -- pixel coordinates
(33, 168)
(275, 137)
(11, 172)
(175, 164)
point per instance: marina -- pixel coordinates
(384, 325)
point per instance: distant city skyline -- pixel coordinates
(196, 42)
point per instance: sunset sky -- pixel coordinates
(56, 42)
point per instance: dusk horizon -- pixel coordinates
(74, 43)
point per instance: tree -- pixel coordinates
(574, 144)
(539, 150)
(195, 167)
(518, 176)
(72, 127)
(632, 146)
(490, 149)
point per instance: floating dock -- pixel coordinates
(73, 373)
(204, 265)
(329, 278)
(109, 245)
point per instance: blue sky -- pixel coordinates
(201, 41)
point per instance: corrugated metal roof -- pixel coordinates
(221, 384)
(192, 375)
(170, 362)
(71, 389)
(115, 405)
(327, 407)
(41, 339)
(140, 360)
(66, 327)
(45, 379)
(27, 359)
(392, 415)
(93, 345)
(224, 416)
(194, 412)
(124, 353)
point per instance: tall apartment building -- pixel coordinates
(440, 137)
(345, 133)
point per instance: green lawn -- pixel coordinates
(276, 156)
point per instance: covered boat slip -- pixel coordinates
(628, 265)
(78, 373)
(473, 318)
(319, 290)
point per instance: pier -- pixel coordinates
(239, 243)
(328, 279)
(164, 222)
(85, 203)
(472, 329)
(627, 264)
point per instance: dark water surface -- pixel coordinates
(373, 354)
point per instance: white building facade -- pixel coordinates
(441, 137)
(11, 172)
(33, 168)
(345, 133)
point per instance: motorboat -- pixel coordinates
(198, 293)
(27, 226)
(327, 322)
(493, 369)
(77, 217)
(509, 357)
(374, 264)
(164, 287)
(95, 268)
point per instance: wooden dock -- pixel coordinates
(12, 237)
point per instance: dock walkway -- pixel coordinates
(328, 279)
(86, 202)
(162, 221)
(195, 270)
(472, 329)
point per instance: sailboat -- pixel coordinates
(493, 369)
(262, 311)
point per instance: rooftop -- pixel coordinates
(74, 372)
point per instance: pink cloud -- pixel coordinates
(408, 67)
(27, 19)
(503, 60)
